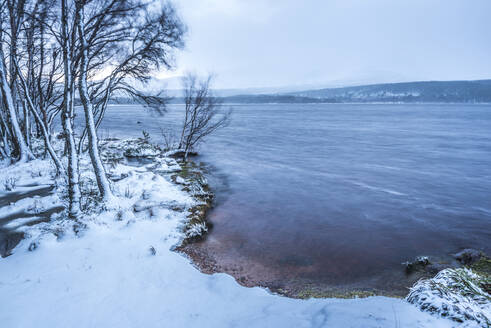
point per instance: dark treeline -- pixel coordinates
(409, 92)
(245, 99)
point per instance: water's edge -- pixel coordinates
(208, 263)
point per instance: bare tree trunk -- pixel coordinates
(98, 121)
(3, 153)
(201, 110)
(39, 78)
(181, 140)
(27, 123)
(67, 118)
(24, 152)
(59, 166)
(99, 171)
(16, 12)
(6, 151)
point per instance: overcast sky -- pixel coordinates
(262, 43)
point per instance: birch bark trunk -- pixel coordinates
(67, 117)
(24, 151)
(30, 105)
(99, 171)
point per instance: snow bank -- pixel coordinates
(456, 294)
(37, 172)
(120, 272)
(109, 278)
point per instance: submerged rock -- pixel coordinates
(468, 256)
(434, 268)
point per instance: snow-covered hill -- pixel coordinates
(431, 91)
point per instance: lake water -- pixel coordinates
(336, 196)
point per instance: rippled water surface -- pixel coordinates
(339, 194)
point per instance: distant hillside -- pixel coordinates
(270, 99)
(433, 91)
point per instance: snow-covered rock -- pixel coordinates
(456, 294)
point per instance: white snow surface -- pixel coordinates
(35, 172)
(107, 276)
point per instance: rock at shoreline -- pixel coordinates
(434, 268)
(468, 256)
(419, 264)
(179, 153)
(457, 294)
(461, 294)
(142, 150)
(8, 241)
(181, 181)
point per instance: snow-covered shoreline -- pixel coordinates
(116, 268)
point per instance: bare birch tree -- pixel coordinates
(101, 48)
(129, 40)
(133, 39)
(202, 114)
(67, 43)
(6, 86)
(31, 107)
(99, 171)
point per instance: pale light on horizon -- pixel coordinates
(268, 43)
